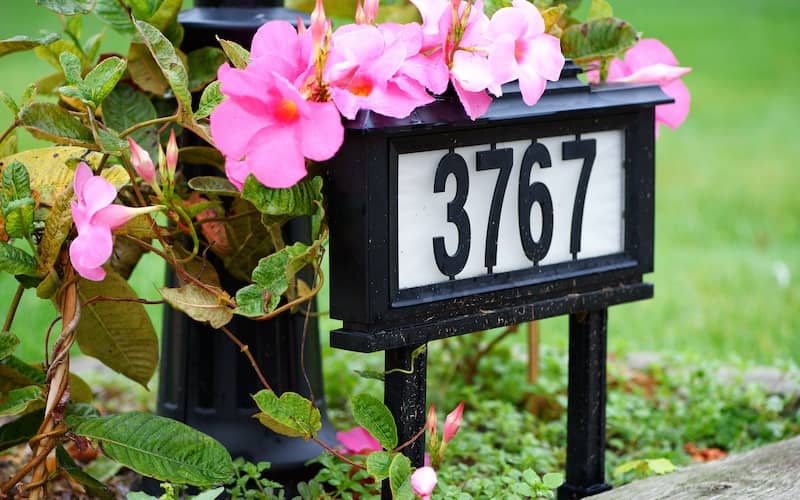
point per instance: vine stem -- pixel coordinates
(58, 387)
(155, 121)
(246, 350)
(337, 454)
(413, 438)
(8, 131)
(12, 309)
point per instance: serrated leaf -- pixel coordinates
(553, 480)
(16, 200)
(93, 487)
(8, 344)
(144, 70)
(599, 9)
(71, 65)
(56, 229)
(203, 64)
(237, 55)
(199, 304)
(597, 39)
(16, 183)
(400, 478)
(378, 463)
(52, 169)
(53, 123)
(119, 334)
(209, 100)
(20, 43)
(370, 413)
(110, 142)
(21, 401)
(290, 415)
(167, 59)
(112, 13)
(212, 184)
(125, 107)
(100, 81)
(281, 204)
(158, 447)
(68, 7)
(9, 102)
(16, 261)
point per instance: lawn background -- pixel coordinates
(727, 207)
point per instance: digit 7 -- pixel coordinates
(585, 149)
(502, 159)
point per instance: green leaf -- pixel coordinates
(597, 39)
(400, 478)
(100, 81)
(237, 55)
(209, 494)
(378, 463)
(159, 447)
(290, 415)
(553, 480)
(51, 122)
(661, 465)
(20, 43)
(125, 107)
(21, 401)
(16, 200)
(281, 204)
(144, 70)
(248, 238)
(110, 142)
(203, 65)
(370, 413)
(119, 334)
(8, 344)
(74, 26)
(20, 430)
(212, 184)
(630, 466)
(9, 102)
(599, 10)
(209, 100)
(68, 7)
(165, 15)
(16, 261)
(144, 9)
(112, 13)
(531, 477)
(167, 59)
(140, 495)
(199, 304)
(271, 277)
(71, 65)
(15, 373)
(56, 229)
(94, 488)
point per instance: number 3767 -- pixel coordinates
(530, 191)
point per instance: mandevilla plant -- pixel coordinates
(77, 216)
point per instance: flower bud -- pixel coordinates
(142, 163)
(658, 73)
(361, 17)
(318, 24)
(370, 10)
(423, 481)
(301, 27)
(172, 154)
(453, 422)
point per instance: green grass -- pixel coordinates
(727, 209)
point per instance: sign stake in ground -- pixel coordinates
(443, 226)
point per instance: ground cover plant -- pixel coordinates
(516, 466)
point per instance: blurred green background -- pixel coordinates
(728, 211)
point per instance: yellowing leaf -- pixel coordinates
(119, 334)
(199, 304)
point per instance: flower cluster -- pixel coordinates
(287, 103)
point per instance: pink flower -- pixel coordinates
(452, 422)
(172, 154)
(357, 440)
(650, 61)
(366, 69)
(95, 217)
(522, 50)
(266, 127)
(423, 481)
(142, 163)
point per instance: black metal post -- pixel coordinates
(404, 394)
(586, 405)
(204, 380)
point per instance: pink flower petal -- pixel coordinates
(471, 70)
(673, 115)
(475, 103)
(236, 171)
(90, 250)
(82, 174)
(531, 14)
(502, 63)
(423, 481)
(114, 216)
(277, 47)
(544, 56)
(531, 84)
(508, 21)
(658, 73)
(358, 440)
(96, 194)
(431, 71)
(322, 131)
(232, 127)
(276, 160)
(649, 51)
(431, 11)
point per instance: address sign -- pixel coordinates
(442, 226)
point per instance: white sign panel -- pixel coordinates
(488, 209)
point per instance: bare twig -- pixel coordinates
(246, 350)
(12, 309)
